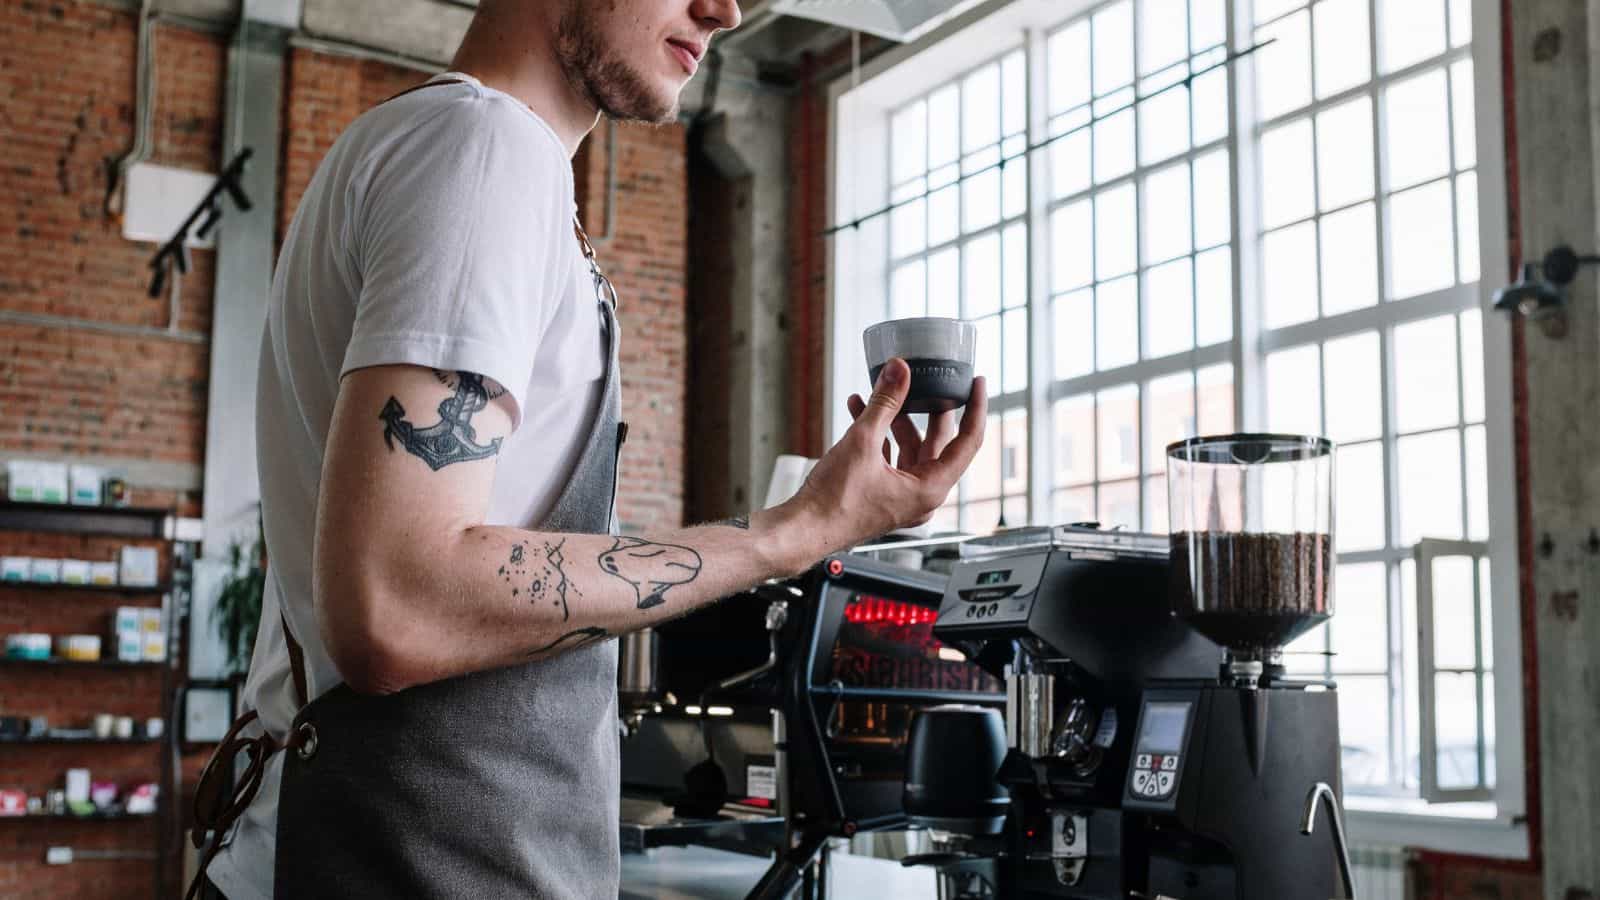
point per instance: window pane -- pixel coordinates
(1290, 264)
(1164, 125)
(1455, 699)
(981, 518)
(1119, 505)
(1412, 30)
(1430, 487)
(1016, 266)
(908, 228)
(1308, 653)
(1417, 129)
(1117, 323)
(1207, 23)
(944, 108)
(1286, 174)
(1283, 69)
(943, 222)
(1455, 640)
(1013, 188)
(1069, 164)
(1014, 456)
(1074, 447)
(1015, 509)
(1364, 730)
(1460, 22)
(1113, 146)
(1113, 47)
(1353, 380)
(1425, 374)
(1410, 694)
(980, 259)
(1344, 153)
(1069, 67)
(1118, 411)
(980, 108)
(907, 290)
(1349, 260)
(986, 358)
(1074, 330)
(1072, 240)
(983, 476)
(1015, 350)
(1360, 623)
(1421, 245)
(946, 520)
(1467, 225)
(1266, 10)
(1477, 486)
(1293, 391)
(1488, 728)
(1166, 214)
(944, 270)
(1214, 397)
(1156, 520)
(1342, 58)
(909, 134)
(1213, 207)
(1115, 236)
(1485, 594)
(1171, 416)
(1359, 505)
(1462, 111)
(1169, 308)
(1472, 365)
(1071, 507)
(1209, 97)
(980, 200)
(1214, 296)
(1163, 33)
(1013, 95)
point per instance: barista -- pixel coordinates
(433, 695)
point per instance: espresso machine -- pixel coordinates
(1152, 744)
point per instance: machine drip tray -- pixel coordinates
(647, 822)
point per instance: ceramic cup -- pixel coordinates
(940, 353)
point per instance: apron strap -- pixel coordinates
(297, 664)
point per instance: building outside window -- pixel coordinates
(1288, 243)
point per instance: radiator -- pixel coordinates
(1380, 872)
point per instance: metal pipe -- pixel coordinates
(144, 104)
(362, 51)
(74, 324)
(1308, 821)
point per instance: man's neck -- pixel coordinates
(519, 58)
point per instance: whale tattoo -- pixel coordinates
(652, 569)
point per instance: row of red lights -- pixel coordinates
(868, 609)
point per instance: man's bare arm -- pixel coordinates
(411, 587)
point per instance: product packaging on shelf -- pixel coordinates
(85, 484)
(102, 573)
(127, 633)
(52, 481)
(74, 571)
(140, 566)
(45, 571)
(22, 481)
(16, 568)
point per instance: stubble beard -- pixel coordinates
(593, 70)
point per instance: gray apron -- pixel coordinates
(502, 783)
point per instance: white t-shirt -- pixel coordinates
(437, 232)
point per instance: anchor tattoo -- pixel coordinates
(452, 439)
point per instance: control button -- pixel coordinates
(994, 609)
(1169, 764)
(1151, 790)
(1143, 762)
(1164, 783)
(1141, 782)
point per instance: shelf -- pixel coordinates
(69, 817)
(71, 663)
(63, 518)
(5, 742)
(127, 590)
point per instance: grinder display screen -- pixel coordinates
(996, 577)
(1162, 731)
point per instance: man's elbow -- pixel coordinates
(363, 631)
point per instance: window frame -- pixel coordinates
(859, 103)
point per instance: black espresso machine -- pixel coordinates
(1137, 758)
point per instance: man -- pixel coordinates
(438, 437)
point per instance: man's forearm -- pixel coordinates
(494, 596)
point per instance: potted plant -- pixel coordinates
(238, 611)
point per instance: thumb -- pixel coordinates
(888, 395)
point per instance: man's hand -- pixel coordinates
(858, 491)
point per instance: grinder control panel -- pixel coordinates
(1159, 751)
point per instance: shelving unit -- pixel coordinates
(144, 524)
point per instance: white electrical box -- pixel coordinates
(159, 198)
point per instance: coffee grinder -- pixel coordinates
(1155, 746)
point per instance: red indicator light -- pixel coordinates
(835, 567)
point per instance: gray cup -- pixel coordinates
(940, 353)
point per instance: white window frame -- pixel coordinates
(858, 145)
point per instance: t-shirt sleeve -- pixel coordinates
(461, 242)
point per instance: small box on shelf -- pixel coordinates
(45, 571)
(74, 571)
(103, 573)
(140, 566)
(16, 568)
(85, 485)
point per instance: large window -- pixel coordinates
(1289, 242)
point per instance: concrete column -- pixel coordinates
(1557, 131)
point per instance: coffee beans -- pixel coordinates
(1251, 592)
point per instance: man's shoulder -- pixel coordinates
(450, 117)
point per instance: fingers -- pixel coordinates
(887, 397)
(958, 454)
(910, 441)
(855, 406)
(941, 427)
(887, 451)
